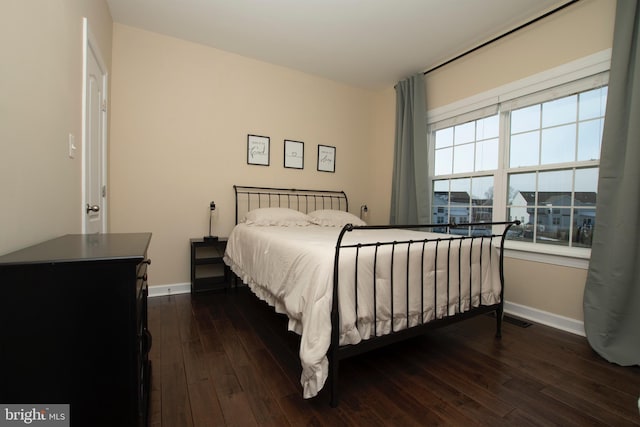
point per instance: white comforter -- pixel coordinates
(291, 268)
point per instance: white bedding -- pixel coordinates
(291, 268)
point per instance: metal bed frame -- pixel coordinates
(309, 200)
(301, 200)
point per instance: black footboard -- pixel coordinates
(477, 239)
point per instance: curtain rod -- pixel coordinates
(526, 24)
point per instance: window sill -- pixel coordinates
(548, 254)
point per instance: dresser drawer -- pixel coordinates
(141, 276)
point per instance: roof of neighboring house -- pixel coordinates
(445, 197)
(559, 198)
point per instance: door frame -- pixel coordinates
(89, 43)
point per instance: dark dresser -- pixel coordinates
(73, 327)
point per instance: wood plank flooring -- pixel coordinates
(226, 359)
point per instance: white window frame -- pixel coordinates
(510, 95)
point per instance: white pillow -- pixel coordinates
(276, 216)
(333, 218)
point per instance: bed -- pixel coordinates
(347, 287)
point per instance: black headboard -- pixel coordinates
(248, 198)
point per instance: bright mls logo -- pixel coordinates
(37, 415)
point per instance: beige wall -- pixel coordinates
(181, 113)
(551, 288)
(41, 103)
(380, 171)
(578, 31)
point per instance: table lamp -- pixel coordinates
(210, 237)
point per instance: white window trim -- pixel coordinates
(556, 255)
(584, 67)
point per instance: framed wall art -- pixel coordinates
(258, 150)
(326, 158)
(293, 154)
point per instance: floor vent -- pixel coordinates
(517, 322)
(513, 320)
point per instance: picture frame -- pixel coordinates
(293, 154)
(326, 158)
(258, 150)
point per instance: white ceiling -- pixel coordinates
(365, 43)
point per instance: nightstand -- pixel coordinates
(208, 271)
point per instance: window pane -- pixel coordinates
(461, 188)
(487, 155)
(554, 188)
(553, 223)
(558, 145)
(522, 187)
(488, 127)
(553, 226)
(524, 231)
(444, 138)
(443, 161)
(482, 202)
(462, 216)
(593, 103)
(560, 111)
(440, 213)
(440, 202)
(459, 202)
(584, 220)
(484, 214)
(464, 133)
(524, 149)
(463, 158)
(586, 187)
(482, 191)
(590, 139)
(525, 119)
(441, 185)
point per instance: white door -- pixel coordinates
(94, 140)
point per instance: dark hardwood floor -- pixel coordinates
(226, 359)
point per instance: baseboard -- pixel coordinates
(164, 290)
(522, 311)
(545, 318)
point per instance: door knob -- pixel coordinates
(94, 208)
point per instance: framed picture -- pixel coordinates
(293, 154)
(258, 150)
(326, 158)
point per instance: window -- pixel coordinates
(534, 158)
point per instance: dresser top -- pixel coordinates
(83, 247)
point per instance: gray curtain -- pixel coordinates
(409, 191)
(612, 291)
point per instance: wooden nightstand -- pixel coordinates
(208, 271)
